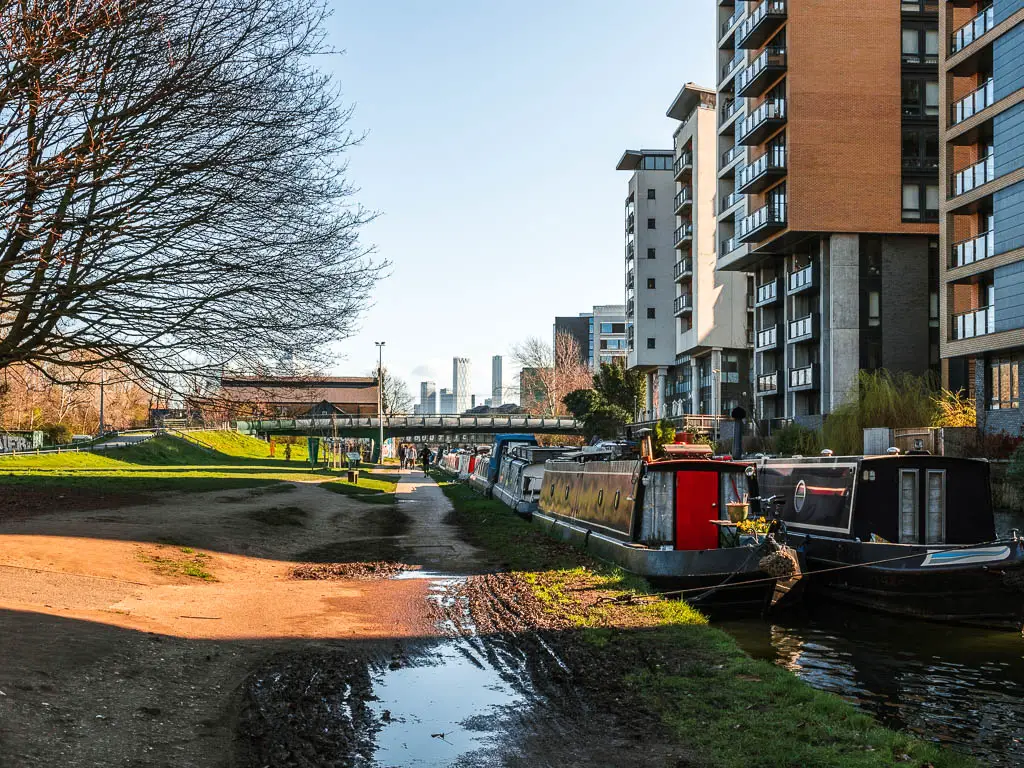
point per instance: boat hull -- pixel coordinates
(975, 586)
(669, 569)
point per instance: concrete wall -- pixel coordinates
(841, 325)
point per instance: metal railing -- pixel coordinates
(773, 159)
(800, 279)
(769, 57)
(728, 245)
(730, 66)
(684, 159)
(976, 175)
(773, 213)
(977, 322)
(769, 337)
(976, 101)
(767, 292)
(973, 30)
(682, 267)
(773, 109)
(730, 200)
(682, 303)
(973, 249)
(731, 21)
(919, 6)
(731, 154)
(729, 108)
(768, 382)
(759, 14)
(682, 233)
(801, 327)
(802, 377)
(685, 195)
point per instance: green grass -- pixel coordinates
(730, 710)
(374, 488)
(193, 565)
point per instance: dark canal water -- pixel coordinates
(962, 687)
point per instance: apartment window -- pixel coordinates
(651, 283)
(604, 344)
(920, 149)
(1002, 384)
(651, 194)
(657, 163)
(920, 45)
(920, 202)
(650, 313)
(651, 253)
(650, 224)
(650, 343)
(874, 309)
(606, 328)
(920, 97)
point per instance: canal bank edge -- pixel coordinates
(661, 659)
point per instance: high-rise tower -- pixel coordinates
(496, 387)
(460, 383)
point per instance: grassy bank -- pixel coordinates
(731, 710)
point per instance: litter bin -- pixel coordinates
(353, 476)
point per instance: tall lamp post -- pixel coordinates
(380, 397)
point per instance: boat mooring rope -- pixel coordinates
(727, 584)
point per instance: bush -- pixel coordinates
(664, 433)
(56, 434)
(794, 439)
(954, 409)
(1015, 472)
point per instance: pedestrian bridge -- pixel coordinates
(411, 426)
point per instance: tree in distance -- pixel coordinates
(173, 196)
(608, 407)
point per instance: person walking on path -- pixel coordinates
(401, 456)
(425, 458)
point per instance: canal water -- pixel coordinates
(958, 686)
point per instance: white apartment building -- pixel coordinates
(711, 310)
(650, 290)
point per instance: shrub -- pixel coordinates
(954, 409)
(56, 434)
(664, 433)
(794, 439)
(1015, 472)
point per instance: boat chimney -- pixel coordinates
(893, 451)
(828, 452)
(738, 415)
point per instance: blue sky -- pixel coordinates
(493, 134)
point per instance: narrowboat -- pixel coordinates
(521, 476)
(912, 535)
(478, 480)
(666, 521)
(503, 443)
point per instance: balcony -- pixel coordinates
(683, 164)
(977, 322)
(768, 384)
(763, 172)
(976, 101)
(728, 24)
(919, 6)
(800, 280)
(733, 198)
(729, 108)
(973, 176)
(762, 122)
(630, 222)
(762, 72)
(630, 306)
(683, 268)
(972, 30)
(973, 249)
(630, 281)
(767, 293)
(630, 250)
(762, 222)
(727, 246)
(803, 378)
(728, 70)
(768, 338)
(683, 304)
(683, 235)
(803, 329)
(730, 156)
(761, 24)
(684, 197)
(918, 164)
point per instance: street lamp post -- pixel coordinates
(380, 397)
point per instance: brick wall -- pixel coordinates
(905, 304)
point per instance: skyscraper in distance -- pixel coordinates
(496, 383)
(428, 397)
(460, 383)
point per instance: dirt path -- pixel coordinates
(174, 634)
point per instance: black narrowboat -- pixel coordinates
(912, 535)
(660, 520)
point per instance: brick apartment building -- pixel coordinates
(828, 119)
(982, 168)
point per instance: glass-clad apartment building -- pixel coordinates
(982, 207)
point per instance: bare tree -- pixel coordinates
(172, 192)
(396, 399)
(550, 373)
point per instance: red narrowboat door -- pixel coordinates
(696, 505)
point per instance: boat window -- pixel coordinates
(552, 494)
(615, 501)
(600, 497)
(908, 506)
(567, 492)
(935, 531)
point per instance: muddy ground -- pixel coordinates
(288, 626)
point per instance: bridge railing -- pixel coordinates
(443, 423)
